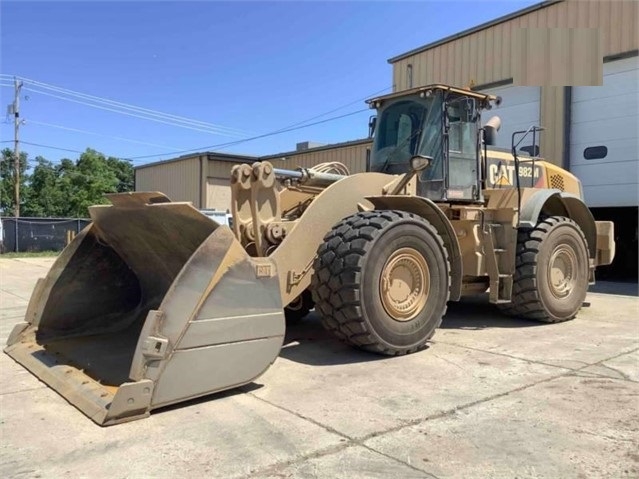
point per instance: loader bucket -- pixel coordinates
(152, 304)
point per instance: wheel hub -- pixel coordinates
(296, 304)
(404, 284)
(562, 271)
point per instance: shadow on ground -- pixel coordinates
(247, 388)
(308, 342)
(615, 287)
(476, 312)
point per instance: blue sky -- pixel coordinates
(249, 67)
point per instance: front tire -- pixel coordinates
(381, 281)
(551, 276)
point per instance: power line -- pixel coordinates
(217, 146)
(155, 113)
(220, 146)
(128, 113)
(61, 127)
(50, 147)
(338, 108)
(135, 109)
(127, 106)
(293, 127)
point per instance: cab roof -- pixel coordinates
(485, 98)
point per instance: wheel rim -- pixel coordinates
(562, 271)
(296, 304)
(404, 284)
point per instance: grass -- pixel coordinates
(31, 254)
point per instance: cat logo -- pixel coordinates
(502, 174)
(500, 179)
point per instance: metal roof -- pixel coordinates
(483, 26)
(211, 155)
(319, 148)
(232, 158)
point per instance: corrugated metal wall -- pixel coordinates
(222, 169)
(484, 57)
(557, 57)
(179, 180)
(353, 155)
(218, 192)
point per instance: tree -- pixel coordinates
(68, 188)
(7, 181)
(45, 198)
(124, 172)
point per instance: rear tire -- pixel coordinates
(551, 276)
(381, 281)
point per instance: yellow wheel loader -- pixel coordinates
(155, 303)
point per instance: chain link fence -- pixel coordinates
(38, 234)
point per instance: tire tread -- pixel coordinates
(338, 263)
(526, 299)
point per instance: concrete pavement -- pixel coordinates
(492, 397)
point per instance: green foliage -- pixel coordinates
(67, 188)
(7, 180)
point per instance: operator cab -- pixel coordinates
(439, 122)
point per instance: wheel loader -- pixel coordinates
(154, 303)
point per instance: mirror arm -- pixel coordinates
(403, 182)
(409, 176)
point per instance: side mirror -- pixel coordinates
(420, 162)
(372, 123)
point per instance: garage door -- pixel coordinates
(519, 110)
(604, 136)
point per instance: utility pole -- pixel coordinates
(16, 144)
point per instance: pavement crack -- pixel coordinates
(300, 416)
(448, 412)
(23, 390)
(510, 356)
(448, 361)
(278, 466)
(596, 375)
(396, 459)
(621, 373)
(618, 355)
(350, 441)
(4, 291)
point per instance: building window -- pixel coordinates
(532, 150)
(409, 76)
(595, 152)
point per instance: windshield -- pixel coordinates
(407, 128)
(397, 134)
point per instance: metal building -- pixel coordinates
(592, 131)
(485, 57)
(203, 178)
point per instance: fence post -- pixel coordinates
(15, 229)
(77, 227)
